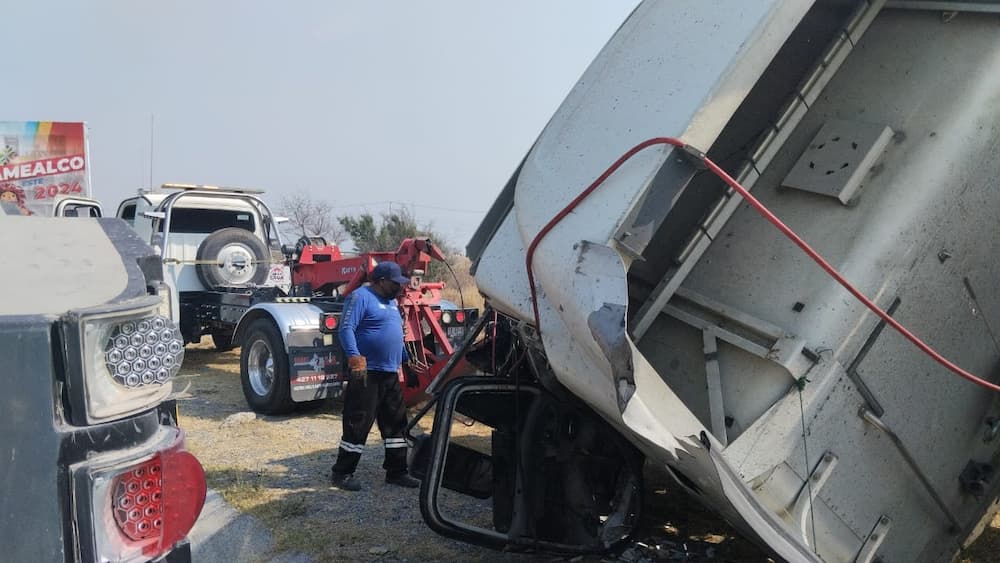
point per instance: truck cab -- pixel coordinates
(94, 462)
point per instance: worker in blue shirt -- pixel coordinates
(371, 334)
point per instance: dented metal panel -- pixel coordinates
(758, 380)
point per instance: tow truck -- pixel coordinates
(755, 246)
(289, 352)
(233, 277)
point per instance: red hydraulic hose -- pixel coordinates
(583, 195)
(767, 214)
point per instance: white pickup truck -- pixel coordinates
(214, 241)
(229, 276)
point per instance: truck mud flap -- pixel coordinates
(315, 373)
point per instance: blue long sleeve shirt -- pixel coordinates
(371, 326)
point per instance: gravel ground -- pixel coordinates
(275, 471)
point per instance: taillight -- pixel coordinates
(141, 509)
(137, 501)
(327, 322)
(125, 357)
(459, 317)
(144, 351)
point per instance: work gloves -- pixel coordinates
(357, 368)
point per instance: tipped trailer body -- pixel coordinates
(663, 302)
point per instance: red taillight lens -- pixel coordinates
(460, 316)
(184, 490)
(327, 322)
(138, 501)
(157, 502)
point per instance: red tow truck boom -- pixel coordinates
(324, 268)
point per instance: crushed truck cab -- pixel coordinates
(94, 463)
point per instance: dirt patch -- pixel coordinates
(276, 468)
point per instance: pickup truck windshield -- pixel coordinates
(207, 221)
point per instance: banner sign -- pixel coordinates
(40, 162)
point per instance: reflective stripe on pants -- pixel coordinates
(377, 399)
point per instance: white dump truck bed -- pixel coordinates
(713, 343)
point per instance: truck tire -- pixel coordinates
(232, 257)
(264, 369)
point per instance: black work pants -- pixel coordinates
(380, 398)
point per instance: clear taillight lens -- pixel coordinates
(126, 358)
(142, 508)
(140, 352)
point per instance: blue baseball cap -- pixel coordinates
(389, 270)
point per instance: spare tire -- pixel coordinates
(232, 257)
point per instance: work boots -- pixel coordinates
(403, 480)
(345, 482)
(350, 483)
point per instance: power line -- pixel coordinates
(408, 204)
(446, 208)
(366, 204)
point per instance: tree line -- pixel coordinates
(310, 217)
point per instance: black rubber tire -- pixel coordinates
(308, 241)
(223, 341)
(211, 268)
(262, 342)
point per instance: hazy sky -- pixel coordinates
(430, 104)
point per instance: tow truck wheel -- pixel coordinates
(232, 257)
(264, 369)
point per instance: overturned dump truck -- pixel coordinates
(643, 306)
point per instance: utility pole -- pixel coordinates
(151, 125)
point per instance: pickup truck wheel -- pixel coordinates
(264, 369)
(232, 257)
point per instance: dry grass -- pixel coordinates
(986, 548)
(276, 469)
(248, 492)
(469, 297)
